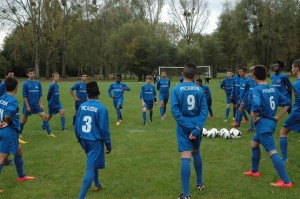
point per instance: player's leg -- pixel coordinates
(255, 156)
(23, 121)
(198, 163)
(46, 124)
(150, 108)
(77, 105)
(20, 166)
(228, 105)
(239, 116)
(62, 119)
(166, 99)
(185, 172)
(97, 183)
(3, 158)
(283, 143)
(245, 116)
(234, 109)
(144, 109)
(119, 107)
(162, 106)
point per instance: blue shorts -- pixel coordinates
(148, 105)
(164, 98)
(9, 140)
(184, 142)
(33, 110)
(265, 139)
(53, 111)
(118, 102)
(228, 99)
(94, 150)
(292, 122)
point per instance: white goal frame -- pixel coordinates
(161, 67)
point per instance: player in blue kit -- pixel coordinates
(116, 92)
(92, 132)
(189, 109)
(33, 104)
(8, 73)
(281, 81)
(266, 99)
(207, 92)
(80, 96)
(163, 85)
(292, 123)
(54, 104)
(10, 128)
(249, 103)
(148, 97)
(227, 85)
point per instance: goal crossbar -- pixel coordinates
(161, 67)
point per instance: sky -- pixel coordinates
(215, 7)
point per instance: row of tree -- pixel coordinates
(109, 36)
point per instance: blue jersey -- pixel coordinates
(235, 93)
(252, 85)
(80, 88)
(32, 90)
(118, 89)
(163, 85)
(189, 107)
(207, 92)
(53, 96)
(244, 89)
(92, 122)
(296, 88)
(2, 89)
(148, 93)
(9, 106)
(227, 85)
(266, 99)
(281, 82)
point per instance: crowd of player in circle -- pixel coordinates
(191, 101)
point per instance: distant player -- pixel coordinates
(8, 73)
(80, 96)
(281, 81)
(227, 85)
(208, 96)
(207, 78)
(92, 132)
(54, 104)
(292, 123)
(116, 92)
(163, 86)
(252, 85)
(189, 109)
(266, 99)
(148, 97)
(10, 128)
(33, 104)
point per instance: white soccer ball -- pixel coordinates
(204, 132)
(216, 131)
(235, 133)
(222, 131)
(211, 134)
(226, 134)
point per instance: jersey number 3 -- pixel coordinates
(87, 127)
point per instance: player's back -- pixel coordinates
(296, 88)
(10, 106)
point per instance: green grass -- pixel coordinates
(144, 162)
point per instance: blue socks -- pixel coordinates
(161, 111)
(74, 118)
(198, 166)
(21, 126)
(47, 126)
(245, 115)
(255, 159)
(144, 117)
(118, 113)
(185, 175)
(87, 181)
(227, 112)
(19, 165)
(279, 166)
(151, 114)
(283, 147)
(63, 122)
(96, 180)
(239, 117)
(210, 111)
(234, 111)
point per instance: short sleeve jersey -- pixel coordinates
(163, 85)
(227, 85)
(80, 88)
(53, 95)
(10, 106)
(148, 93)
(32, 90)
(281, 82)
(117, 89)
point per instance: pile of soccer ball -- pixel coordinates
(223, 133)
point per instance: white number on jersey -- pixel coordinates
(87, 127)
(191, 102)
(1, 115)
(272, 103)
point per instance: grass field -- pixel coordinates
(144, 162)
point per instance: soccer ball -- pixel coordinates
(204, 132)
(222, 131)
(216, 131)
(235, 133)
(211, 134)
(226, 134)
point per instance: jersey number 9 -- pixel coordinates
(191, 102)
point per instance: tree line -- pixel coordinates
(128, 36)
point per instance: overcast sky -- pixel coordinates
(215, 7)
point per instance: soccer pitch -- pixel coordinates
(144, 162)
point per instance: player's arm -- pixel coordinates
(78, 126)
(41, 94)
(154, 95)
(109, 91)
(50, 91)
(125, 87)
(72, 92)
(256, 105)
(285, 103)
(158, 85)
(222, 84)
(202, 116)
(141, 96)
(104, 129)
(288, 85)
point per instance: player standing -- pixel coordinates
(249, 104)
(54, 104)
(207, 92)
(33, 104)
(81, 95)
(148, 97)
(227, 85)
(10, 128)
(117, 95)
(266, 99)
(189, 109)
(8, 73)
(292, 123)
(163, 86)
(92, 132)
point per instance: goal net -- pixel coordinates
(176, 71)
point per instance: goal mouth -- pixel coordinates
(174, 72)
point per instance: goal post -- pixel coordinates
(176, 70)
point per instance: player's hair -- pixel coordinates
(280, 64)
(260, 72)
(10, 83)
(199, 80)
(83, 73)
(8, 71)
(296, 63)
(119, 75)
(243, 68)
(189, 70)
(229, 71)
(148, 77)
(163, 71)
(251, 68)
(29, 70)
(92, 89)
(55, 73)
